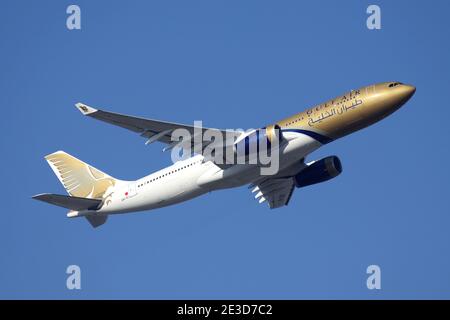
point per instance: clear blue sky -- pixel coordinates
(232, 64)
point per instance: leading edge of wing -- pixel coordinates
(136, 124)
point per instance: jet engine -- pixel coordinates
(319, 171)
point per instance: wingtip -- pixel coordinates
(40, 196)
(85, 109)
(54, 153)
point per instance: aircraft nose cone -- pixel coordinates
(394, 95)
(409, 91)
(404, 92)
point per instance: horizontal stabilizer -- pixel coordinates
(72, 203)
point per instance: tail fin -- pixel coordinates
(79, 178)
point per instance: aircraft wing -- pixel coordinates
(152, 130)
(276, 191)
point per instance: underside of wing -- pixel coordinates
(276, 191)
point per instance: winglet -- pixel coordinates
(85, 109)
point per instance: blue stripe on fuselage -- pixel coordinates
(317, 136)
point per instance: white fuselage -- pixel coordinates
(193, 177)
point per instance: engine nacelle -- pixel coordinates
(319, 171)
(257, 139)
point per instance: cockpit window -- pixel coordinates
(394, 84)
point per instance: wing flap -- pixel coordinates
(276, 191)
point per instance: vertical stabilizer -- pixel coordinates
(79, 178)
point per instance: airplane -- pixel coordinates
(95, 195)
